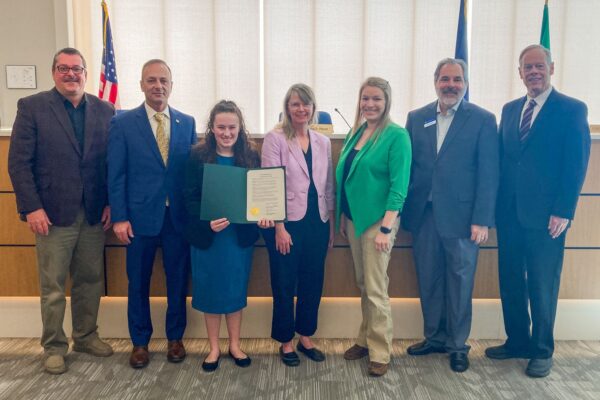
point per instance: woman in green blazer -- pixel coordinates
(372, 182)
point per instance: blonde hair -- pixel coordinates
(307, 96)
(385, 117)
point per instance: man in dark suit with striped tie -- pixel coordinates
(544, 152)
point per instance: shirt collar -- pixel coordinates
(151, 111)
(451, 110)
(541, 98)
(65, 100)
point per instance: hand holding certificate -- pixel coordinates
(243, 195)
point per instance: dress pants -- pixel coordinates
(140, 260)
(445, 274)
(77, 250)
(370, 270)
(529, 267)
(299, 272)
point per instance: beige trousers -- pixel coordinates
(77, 250)
(370, 269)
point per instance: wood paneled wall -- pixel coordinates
(580, 279)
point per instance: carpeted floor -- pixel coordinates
(576, 375)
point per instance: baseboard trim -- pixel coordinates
(338, 318)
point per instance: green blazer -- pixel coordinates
(378, 178)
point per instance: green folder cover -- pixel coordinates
(225, 194)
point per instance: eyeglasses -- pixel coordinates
(298, 105)
(64, 69)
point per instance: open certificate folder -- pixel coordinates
(243, 195)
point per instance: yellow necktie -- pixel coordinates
(161, 138)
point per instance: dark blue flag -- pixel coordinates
(462, 37)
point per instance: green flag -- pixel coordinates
(545, 35)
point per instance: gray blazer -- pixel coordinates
(48, 169)
(462, 178)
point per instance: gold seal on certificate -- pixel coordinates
(243, 195)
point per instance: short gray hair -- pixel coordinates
(452, 61)
(156, 61)
(539, 47)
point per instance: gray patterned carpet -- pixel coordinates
(576, 375)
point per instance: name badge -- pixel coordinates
(429, 123)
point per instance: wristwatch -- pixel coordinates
(385, 230)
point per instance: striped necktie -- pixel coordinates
(526, 121)
(161, 137)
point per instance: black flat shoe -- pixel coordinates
(314, 353)
(210, 366)
(290, 359)
(241, 362)
(459, 362)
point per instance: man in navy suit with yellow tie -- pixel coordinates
(147, 151)
(544, 149)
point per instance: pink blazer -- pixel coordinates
(278, 151)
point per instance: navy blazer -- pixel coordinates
(138, 180)
(198, 232)
(545, 173)
(46, 165)
(462, 178)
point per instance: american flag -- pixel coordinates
(109, 88)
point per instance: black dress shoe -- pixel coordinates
(502, 352)
(314, 353)
(210, 366)
(241, 362)
(290, 359)
(539, 367)
(423, 348)
(459, 362)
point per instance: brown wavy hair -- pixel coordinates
(244, 150)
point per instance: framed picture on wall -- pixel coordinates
(21, 77)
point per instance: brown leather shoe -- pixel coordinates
(377, 369)
(139, 357)
(356, 352)
(176, 351)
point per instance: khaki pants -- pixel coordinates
(370, 269)
(77, 250)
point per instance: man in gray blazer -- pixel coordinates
(57, 164)
(449, 207)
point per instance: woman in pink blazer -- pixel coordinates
(297, 248)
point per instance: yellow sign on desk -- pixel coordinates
(325, 129)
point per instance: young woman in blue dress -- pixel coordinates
(221, 252)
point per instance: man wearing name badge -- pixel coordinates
(449, 208)
(544, 150)
(57, 164)
(147, 151)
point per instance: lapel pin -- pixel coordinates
(177, 120)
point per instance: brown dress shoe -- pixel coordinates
(176, 351)
(377, 369)
(356, 352)
(139, 357)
